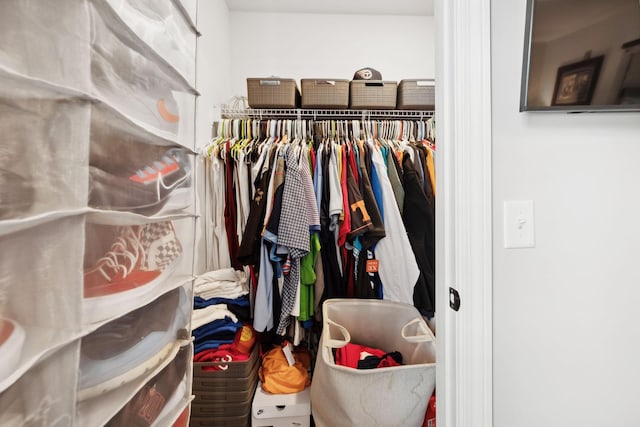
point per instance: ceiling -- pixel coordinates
(338, 7)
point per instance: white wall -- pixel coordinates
(213, 84)
(297, 45)
(566, 335)
(213, 64)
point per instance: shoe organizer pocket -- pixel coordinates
(131, 171)
(161, 26)
(136, 81)
(190, 8)
(120, 357)
(44, 396)
(46, 40)
(128, 266)
(162, 398)
(43, 153)
(176, 412)
(39, 293)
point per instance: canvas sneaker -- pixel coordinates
(132, 346)
(139, 255)
(12, 337)
(144, 190)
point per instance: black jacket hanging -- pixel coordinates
(230, 210)
(419, 222)
(249, 252)
(332, 278)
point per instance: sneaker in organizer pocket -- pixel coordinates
(131, 346)
(140, 258)
(12, 337)
(161, 393)
(134, 84)
(145, 188)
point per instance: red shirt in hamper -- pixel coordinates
(362, 357)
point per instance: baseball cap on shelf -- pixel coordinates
(367, 74)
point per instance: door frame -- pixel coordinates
(463, 212)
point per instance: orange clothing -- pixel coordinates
(278, 377)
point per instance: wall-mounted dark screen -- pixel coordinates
(581, 55)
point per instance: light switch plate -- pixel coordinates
(519, 230)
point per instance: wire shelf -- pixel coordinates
(317, 114)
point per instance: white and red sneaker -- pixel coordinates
(143, 190)
(12, 338)
(139, 259)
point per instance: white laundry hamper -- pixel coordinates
(393, 396)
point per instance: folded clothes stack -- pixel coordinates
(237, 351)
(221, 308)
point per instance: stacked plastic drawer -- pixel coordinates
(224, 392)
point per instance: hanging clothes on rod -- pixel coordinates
(324, 209)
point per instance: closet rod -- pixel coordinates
(304, 113)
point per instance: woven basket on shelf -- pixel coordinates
(272, 93)
(416, 94)
(373, 94)
(325, 93)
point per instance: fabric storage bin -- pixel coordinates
(321, 93)
(272, 93)
(281, 410)
(395, 395)
(417, 94)
(373, 94)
